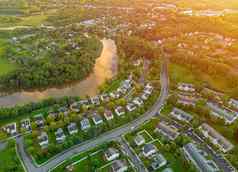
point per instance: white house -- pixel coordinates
(60, 136)
(108, 115)
(97, 119)
(111, 154)
(186, 87)
(119, 166)
(139, 140)
(72, 128)
(120, 111)
(85, 124)
(43, 140)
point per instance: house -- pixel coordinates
(186, 100)
(138, 101)
(26, 124)
(120, 111)
(139, 140)
(167, 131)
(216, 138)
(97, 119)
(60, 136)
(167, 170)
(119, 166)
(145, 96)
(186, 87)
(131, 107)
(115, 95)
(39, 120)
(228, 115)
(148, 89)
(233, 103)
(10, 129)
(181, 115)
(95, 100)
(72, 128)
(111, 154)
(105, 98)
(85, 124)
(199, 158)
(43, 140)
(158, 161)
(149, 149)
(63, 110)
(75, 107)
(108, 115)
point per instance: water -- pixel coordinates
(105, 68)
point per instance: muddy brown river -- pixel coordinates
(105, 68)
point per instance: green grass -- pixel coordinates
(9, 160)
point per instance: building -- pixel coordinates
(10, 129)
(145, 96)
(119, 166)
(131, 107)
(186, 100)
(120, 111)
(108, 115)
(95, 100)
(111, 154)
(148, 89)
(105, 98)
(228, 115)
(199, 158)
(72, 128)
(167, 131)
(216, 138)
(158, 161)
(181, 115)
(43, 140)
(138, 101)
(186, 87)
(139, 140)
(60, 136)
(233, 103)
(26, 124)
(97, 119)
(149, 150)
(85, 124)
(39, 120)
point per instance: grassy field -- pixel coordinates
(178, 73)
(10, 159)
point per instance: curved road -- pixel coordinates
(106, 137)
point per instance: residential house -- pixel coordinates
(108, 115)
(233, 103)
(72, 128)
(181, 115)
(39, 120)
(167, 130)
(10, 129)
(228, 115)
(216, 138)
(186, 87)
(105, 98)
(138, 101)
(60, 136)
(199, 158)
(97, 119)
(120, 111)
(131, 107)
(95, 100)
(43, 140)
(119, 166)
(26, 124)
(149, 150)
(85, 124)
(158, 161)
(139, 140)
(111, 154)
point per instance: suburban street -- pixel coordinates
(106, 137)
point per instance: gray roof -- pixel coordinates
(149, 147)
(184, 115)
(203, 164)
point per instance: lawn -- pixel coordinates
(178, 73)
(10, 159)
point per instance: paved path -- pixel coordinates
(106, 137)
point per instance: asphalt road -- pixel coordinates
(106, 137)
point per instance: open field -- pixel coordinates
(10, 159)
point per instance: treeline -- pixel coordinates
(54, 70)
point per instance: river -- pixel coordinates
(105, 68)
